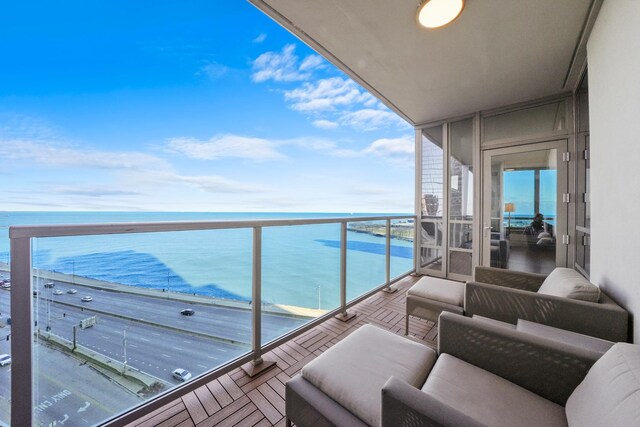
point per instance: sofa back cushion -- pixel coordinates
(568, 283)
(610, 393)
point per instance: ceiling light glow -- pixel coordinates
(437, 13)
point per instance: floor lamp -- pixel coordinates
(509, 207)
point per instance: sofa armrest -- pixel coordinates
(548, 368)
(403, 405)
(508, 278)
(608, 320)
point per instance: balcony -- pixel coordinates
(236, 399)
(117, 343)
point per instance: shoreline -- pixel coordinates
(398, 232)
(276, 309)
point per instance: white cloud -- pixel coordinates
(218, 184)
(260, 38)
(326, 94)
(279, 66)
(311, 62)
(214, 70)
(325, 124)
(340, 101)
(370, 119)
(398, 150)
(56, 154)
(91, 190)
(224, 146)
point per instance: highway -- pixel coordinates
(228, 323)
(67, 390)
(65, 386)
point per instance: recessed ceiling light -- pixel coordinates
(437, 13)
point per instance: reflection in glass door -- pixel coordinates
(525, 214)
(447, 200)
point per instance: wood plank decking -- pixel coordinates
(234, 399)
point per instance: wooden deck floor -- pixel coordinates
(234, 399)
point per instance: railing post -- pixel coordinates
(344, 315)
(257, 365)
(388, 289)
(21, 333)
(417, 251)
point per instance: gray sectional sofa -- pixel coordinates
(482, 375)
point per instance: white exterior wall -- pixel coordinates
(614, 103)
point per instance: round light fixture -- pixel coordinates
(437, 13)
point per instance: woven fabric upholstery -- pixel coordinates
(605, 320)
(550, 369)
(308, 406)
(508, 278)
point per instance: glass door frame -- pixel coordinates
(563, 205)
(446, 222)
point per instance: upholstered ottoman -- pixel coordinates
(342, 387)
(431, 296)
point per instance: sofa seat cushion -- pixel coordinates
(488, 398)
(353, 371)
(610, 393)
(443, 290)
(568, 283)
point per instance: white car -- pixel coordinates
(181, 374)
(57, 292)
(72, 291)
(5, 359)
(87, 299)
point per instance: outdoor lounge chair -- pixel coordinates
(563, 299)
(483, 375)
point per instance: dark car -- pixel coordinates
(188, 312)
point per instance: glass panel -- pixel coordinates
(540, 120)
(583, 203)
(461, 194)
(460, 263)
(432, 200)
(122, 318)
(583, 252)
(402, 231)
(366, 256)
(524, 211)
(432, 243)
(5, 323)
(300, 276)
(583, 105)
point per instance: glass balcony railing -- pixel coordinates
(112, 320)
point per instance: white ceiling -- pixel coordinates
(498, 52)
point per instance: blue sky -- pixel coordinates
(186, 106)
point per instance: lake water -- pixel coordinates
(300, 264)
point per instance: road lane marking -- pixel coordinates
(202, 366)
(166, 355)
(144, 339)
(178, 348)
